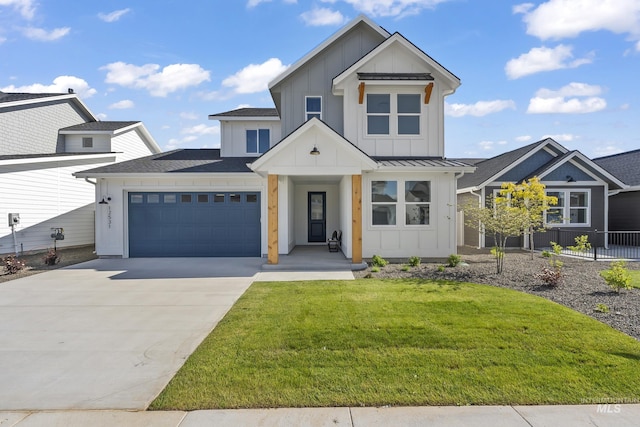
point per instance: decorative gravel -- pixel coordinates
(581, 289)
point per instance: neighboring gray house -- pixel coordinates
(580, 185)
(44, 139)
(624, 205)
(355, 143)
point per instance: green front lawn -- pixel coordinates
(402, 342)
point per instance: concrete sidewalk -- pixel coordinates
(477, 416)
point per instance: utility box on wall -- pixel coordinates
(14, 219)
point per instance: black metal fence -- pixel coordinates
(605, 245)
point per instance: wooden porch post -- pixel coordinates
(356, 219)
(272, 214)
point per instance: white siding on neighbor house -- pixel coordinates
(46, 197)
(30, 129)
(332, 202)
(112, 219)
(436, 240)
(101, 143)
(129, 145)
(233, 135)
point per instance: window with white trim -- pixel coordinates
(313, 107)
(387, 204)
(572, 208)
(87, 142)
(397, 114)
(258, 141)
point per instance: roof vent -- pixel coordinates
(70, 90)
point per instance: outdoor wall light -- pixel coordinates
(104, 201)
(315, 151)
(570, 179)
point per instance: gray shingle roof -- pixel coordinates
(100, 126)
(248, 112)
(624, 166)
(177, 161)
(45, 155)
(490, 167)
(14, 97)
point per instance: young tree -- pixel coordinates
(518, 208)
(529, 197)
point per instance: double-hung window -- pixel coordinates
(572, 208)
(257, 141)
(384, 199)
(417, 198)
(393, 114)
(313, 107)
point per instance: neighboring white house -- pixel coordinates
(355, 143)
(44, 139)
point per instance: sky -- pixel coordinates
(566, 69)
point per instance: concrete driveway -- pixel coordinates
(110, 333)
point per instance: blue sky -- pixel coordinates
(561, 68)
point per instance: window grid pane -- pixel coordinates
(408, 125)
(408, 103)
(378, 103)
(417, 214)
(263, 137)
(252, 141)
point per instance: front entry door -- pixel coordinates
(317, 217)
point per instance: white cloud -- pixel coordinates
(523, 138)
(564, 137)
(113, 16)
(317, 17)
(201, 129)
(2, 39)
(255, 77)
(479, 109)
(490, 145)
(101, 116)
(26, 8)
(122, 105)
(606, 150)
(522, 8)
(584, 100)
(189, 115)
(158, 82)
(398, 8)
(254, 3)
(543, 58)
(60, 84)
(556, 19)
(40, 34)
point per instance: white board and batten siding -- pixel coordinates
(234, 135)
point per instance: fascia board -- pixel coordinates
(166, 175)
(245, 119)
(49, 159)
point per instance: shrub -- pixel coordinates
(582, 244)
(551, 276)
(441, 268)
(378, 261)
(602, 308)
(617, 277)
(51, 258)
(406, 268)
(13, 265)
(453, 260)
(414, 261)
(546, 254)
(375, 269)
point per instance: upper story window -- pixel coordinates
(572, 208)
(87, 142)
(258, 141)
(313, 107)
(393, 114)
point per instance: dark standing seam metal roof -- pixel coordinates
(178, 161)
(624, 166)
(14, 97)
(100, 126)
(419, 162)
(395, 76)
(490, 167)
(249, 112)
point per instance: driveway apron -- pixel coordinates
(110, 333)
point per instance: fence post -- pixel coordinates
(595, 246)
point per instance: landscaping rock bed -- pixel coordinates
(581, 289)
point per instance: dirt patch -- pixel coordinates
(35, 261)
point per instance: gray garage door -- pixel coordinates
(175, 224)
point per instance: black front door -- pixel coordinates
(317, 217)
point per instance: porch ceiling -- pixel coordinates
(316, 179)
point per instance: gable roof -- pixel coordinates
(360, 19)
(176, 161)
(623, 165)
(101, 126)
(445, 74)
(18, 96)
(15, 99)
(492, 169)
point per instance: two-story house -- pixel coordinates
(44, 139)
(355, 143)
